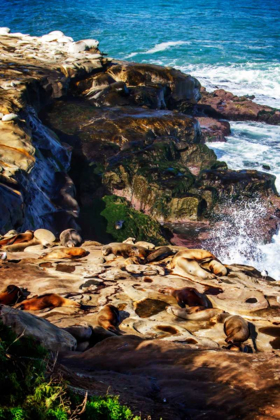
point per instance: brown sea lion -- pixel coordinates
(159, 254)
(49, 300)
(109, 318)
(125, 250)
(236, 329)
(216, 267)
(63, 253)
(18, 238)
(186, 296)
(10, 295)
(196, 254)
(70, 238)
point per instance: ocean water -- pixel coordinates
(229, 44)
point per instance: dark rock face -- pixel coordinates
(213, 130)
(147, 85)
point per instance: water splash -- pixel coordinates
(237, 237)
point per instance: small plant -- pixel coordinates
(107, 408)
(28, 391)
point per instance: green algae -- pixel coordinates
(136, 224)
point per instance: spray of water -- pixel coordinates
(237, 237)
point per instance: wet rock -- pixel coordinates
(223, 104)
(213, 130)
(37, 249)
(149, 307)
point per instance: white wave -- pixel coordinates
(258, 79)
(250, 146)
(165, 46)
(132, 55)
(159, 47)
(237, 239)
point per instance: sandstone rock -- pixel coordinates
(50, 336)
(242, 301)
(37, 249)
(9, 117)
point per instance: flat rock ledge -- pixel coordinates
(165, 362)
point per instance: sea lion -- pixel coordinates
(236, 329)
(18, 247)
(125, 250)
(147, 245)
(18, 238)
(44, 236)
(10, 233)
(49, 300)
(129, 241)
(63, 253)
(109, 318)
(10, 295)
(159, 254)
(70, 238)
(186, 296)
(196, 254)
(187, 261)
(216, 267)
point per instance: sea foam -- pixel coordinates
(260, 80)
(237, 239)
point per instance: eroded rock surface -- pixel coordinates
(176, 352)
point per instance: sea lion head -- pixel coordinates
(70, 244)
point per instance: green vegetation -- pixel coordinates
(136, 224)
(29, 390)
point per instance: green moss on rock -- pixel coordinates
(136, 224)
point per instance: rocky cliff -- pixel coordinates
(78, 126)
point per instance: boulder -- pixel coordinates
(47, 334)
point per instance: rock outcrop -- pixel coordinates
(36, 190)
(223, 104)
(109, 127)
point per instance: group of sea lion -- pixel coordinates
(12, 295)
(69, 239)
(193, 305)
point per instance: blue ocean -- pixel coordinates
(230, 44)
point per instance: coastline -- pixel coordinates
(86, 138)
